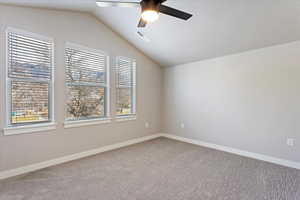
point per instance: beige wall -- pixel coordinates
(249, 101)
(83, 29)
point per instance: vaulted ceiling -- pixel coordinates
(218, 27)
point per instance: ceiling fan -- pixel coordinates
(150, 9)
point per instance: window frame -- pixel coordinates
(28, 126)
(133, 114)
(94, 120)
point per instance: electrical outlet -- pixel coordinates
(290, 142)
(182, 125)
(147, 125)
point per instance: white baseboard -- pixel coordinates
(278, 161)
(41, 165)
(49, 163)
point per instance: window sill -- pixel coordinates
(29, 128)
(125, 118)
(74, 124)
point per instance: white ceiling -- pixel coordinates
(218, 27)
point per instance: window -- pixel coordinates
(29, 78)
(125, 86)
(86, 83)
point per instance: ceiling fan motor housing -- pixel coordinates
(150, 5)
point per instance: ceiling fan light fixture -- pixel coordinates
(150, 15)
(150, 9)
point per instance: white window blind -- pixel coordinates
(125, 86)
(29, 77)
(86, 82)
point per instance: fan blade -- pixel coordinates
(142, 23)
(117, 4)
(174, 12)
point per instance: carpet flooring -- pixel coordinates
(160, 169)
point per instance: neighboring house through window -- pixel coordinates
(29, 78)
